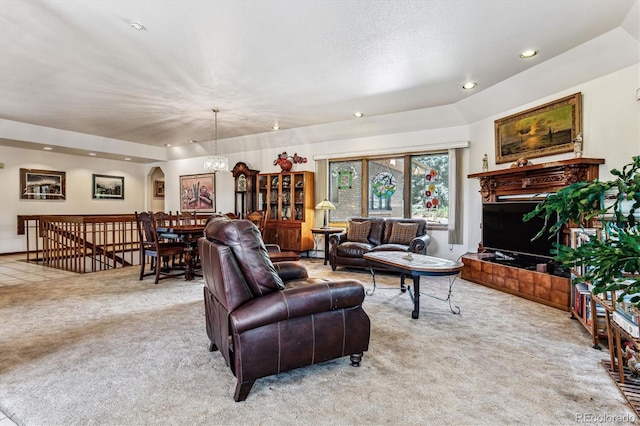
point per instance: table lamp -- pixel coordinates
(325, 206)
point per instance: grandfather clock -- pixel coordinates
(245, 188)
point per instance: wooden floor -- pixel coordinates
(630, 388)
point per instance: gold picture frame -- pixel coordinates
(42, 184)
(158, 188)
(197, 192)
(541, 131)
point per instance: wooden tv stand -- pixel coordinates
(525, 182)
(540, 287)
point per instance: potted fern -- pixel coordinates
(612, 259)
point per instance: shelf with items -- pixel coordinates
(583, 305)
(288, 200)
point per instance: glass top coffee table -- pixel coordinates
(416, 266)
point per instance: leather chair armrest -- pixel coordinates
(297, 302)
(337, 239)
(419, 244)
(272, 248)
(289, 270)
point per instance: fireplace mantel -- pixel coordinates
(537, 178)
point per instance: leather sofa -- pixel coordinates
(268, 318)
(384, 234)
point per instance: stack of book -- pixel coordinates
(582, 307)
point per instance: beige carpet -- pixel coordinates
(105, 348)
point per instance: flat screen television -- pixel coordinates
(504, 230)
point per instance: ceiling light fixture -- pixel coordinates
(358, 114)
(276, 126)
(48, 148)
(167, 144)
(93, 154)
(469, 86)
(137, 26)
(216, 163)
(127, 159)
(528, 54)
(192, 141)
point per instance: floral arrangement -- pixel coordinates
(296, 159)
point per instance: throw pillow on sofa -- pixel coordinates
(403, 233)
(359, 231)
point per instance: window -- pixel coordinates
(345, 189)
(386, 187)
(430, 187)
(381, 184)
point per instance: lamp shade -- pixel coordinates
(325, 205)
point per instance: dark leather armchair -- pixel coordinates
(269, 318)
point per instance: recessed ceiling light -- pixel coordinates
(528, 54)
(48, 148)
(167, 144)
(358, 114)
(127, 159)
(137, 26)
(192, 141)
(93, 154)
(276, 126)
(469, 86)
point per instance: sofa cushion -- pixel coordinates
(244, 240)
(403, 233)
(390, 247)
(351, 249)
(359, 231)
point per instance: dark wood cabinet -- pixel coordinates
(288, 200)
(522, 183)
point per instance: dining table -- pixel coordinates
(189, 234)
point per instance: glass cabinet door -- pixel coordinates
(273, 197)
(298, 197)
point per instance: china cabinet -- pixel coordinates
(288, 200)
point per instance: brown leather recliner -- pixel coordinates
(269, 318)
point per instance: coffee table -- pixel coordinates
(416, 266)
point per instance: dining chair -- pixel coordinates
(159, 251)
(186, 218)
(259, 218)
(165, 220)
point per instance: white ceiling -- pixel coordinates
(80, 66)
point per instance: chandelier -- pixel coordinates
(216, 163)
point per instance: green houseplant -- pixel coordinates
(612, 259)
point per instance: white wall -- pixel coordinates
(611, 128)
(79, 199)
(611, 124)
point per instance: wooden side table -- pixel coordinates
(326, 232)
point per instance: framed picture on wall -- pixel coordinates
(42, 184)
(108, 187)
(537, 132)
(158, 188)
(197, 192)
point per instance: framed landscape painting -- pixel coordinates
(197, 192)
(108, 187)
(537, 132)
(42, 184)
